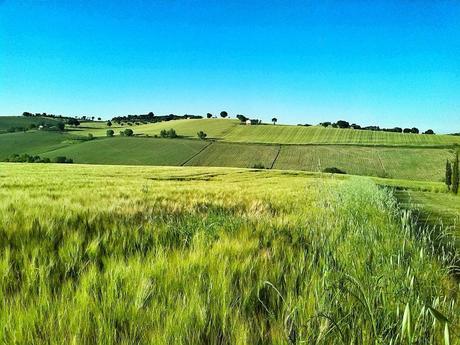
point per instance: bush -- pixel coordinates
(334, 170)
(60, 126)
(258, 166)
(110, 133)
(128, 132)
(202, 135)
(171, 133)
(62, 159)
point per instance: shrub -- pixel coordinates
(258, 166)
(202, 135)
(334, 170)
(171, 133)
(110, 133)
(128, 132)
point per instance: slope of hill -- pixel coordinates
(319, 135)
(32, 142)
(131, 151)
(214, 128)
(7, 122)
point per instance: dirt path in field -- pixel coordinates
(196, 154)
(276, 157)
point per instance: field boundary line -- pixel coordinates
(381, 163)
(276, 157)
(196, 154)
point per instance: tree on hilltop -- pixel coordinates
(223, 114)
(274, 120)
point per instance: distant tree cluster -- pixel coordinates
(346, 124)
(26, 158)
(452, 174)
(304, 125)
(152, 118)
(202, 135)
(171, 133)
(244, 119)
(334, 170)
(128, 132)
(63, 117)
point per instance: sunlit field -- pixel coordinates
(140, 255)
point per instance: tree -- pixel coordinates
(343, 124)
(73, 122)
(208, 115)
(274, 120)
(455, 176)
(99, 119)
(202, 135)
(60, 126)
(110, 132)
(242, 118)
(448, 174)
(109, 123)
(325, 124)
(223, 114)
(429, 131)
(128, 132)
(406, 130)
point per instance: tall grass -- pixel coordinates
(126, 255)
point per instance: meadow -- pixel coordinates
(143, 255)
(230, 130)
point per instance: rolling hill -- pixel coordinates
(380, 154)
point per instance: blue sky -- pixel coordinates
(390, 63)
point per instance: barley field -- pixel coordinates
(142, 255)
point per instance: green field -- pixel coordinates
(426, 164)
(230, 130)
(131, 151)
(435, 209)
(137, 255)
(420, 164)
(33, 142)
(7, 122)
(214, 128)
(236, 155)
(319, 135)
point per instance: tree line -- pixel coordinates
(26, 158)
(346, 124)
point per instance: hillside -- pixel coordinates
(402, 156)
(16, 122)
(230, 130)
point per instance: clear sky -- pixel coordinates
(389, 63)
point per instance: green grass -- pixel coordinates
(319, 135)
(214, 128)
(356, 160)
(32, 142)
(231, 130)
(131, 151)
(402, 163)
(236, 155)
(435, 209)
(139, 255)
(7, 122)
